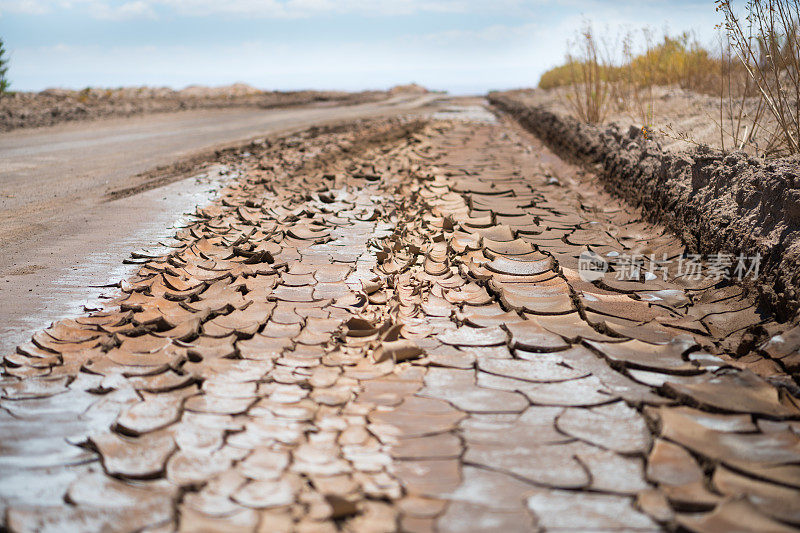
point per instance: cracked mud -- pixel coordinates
(382, 327)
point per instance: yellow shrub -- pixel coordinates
(676, 61)
(556, 77)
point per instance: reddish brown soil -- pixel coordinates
(718, 202)
(382, 327)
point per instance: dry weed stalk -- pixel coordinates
(589, 92)
(640, 71)
(766, 43)
(756, 76)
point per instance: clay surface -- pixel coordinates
(382, 326)
(716, 202)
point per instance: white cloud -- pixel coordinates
(513, 53)
(128, 10)
(98, 9)
(489, 35)
(307, 8)
(106, 9)
(27, 7)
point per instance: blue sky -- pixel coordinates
(464, 46)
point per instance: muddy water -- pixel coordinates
(93, 255)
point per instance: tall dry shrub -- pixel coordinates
(589, 92)
(765, 40)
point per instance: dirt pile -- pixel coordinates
(410, 88)
(53, 106)
(716, 201)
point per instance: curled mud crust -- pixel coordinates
(715, 201)
(382, 326)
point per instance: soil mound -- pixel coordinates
(410, 88)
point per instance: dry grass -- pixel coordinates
(755, 73)
(590, 90)
(601, 72)
(765, 42)
(679, 61)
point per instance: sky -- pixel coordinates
(461, 46)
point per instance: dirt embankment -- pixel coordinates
(716, 201)
(53, 106)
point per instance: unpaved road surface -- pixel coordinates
(47, 171)
(57, 185)
(385, 328)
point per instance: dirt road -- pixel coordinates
(50, 173)
(55, 184)
(388, 328)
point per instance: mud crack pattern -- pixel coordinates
(381, 327)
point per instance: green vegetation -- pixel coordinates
(4, 83)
